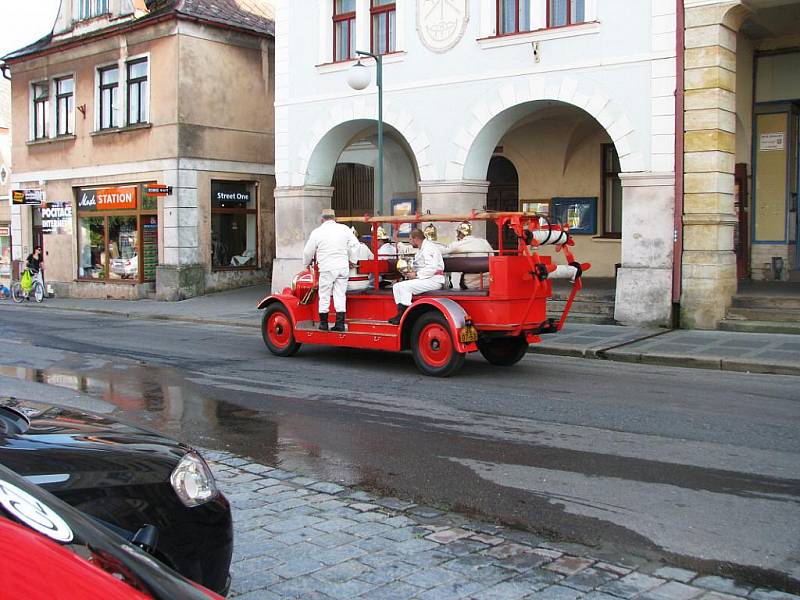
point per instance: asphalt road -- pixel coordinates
(699, 467)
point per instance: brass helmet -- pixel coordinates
(382, 234)
(464, 228)
(430, 232)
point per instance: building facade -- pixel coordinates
(125, 95)
(504, 104)
(742, 101)
(5, 182)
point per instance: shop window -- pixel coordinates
(384, 19)
(513, 16)
(565, 12)
(138, 97)
(108, 78)
(88, 9)
(233, 225)
(41, 106)
(92, 247)
(344, 30)
(612, 192)
(5, 252)
(65, 106)
(117, 238)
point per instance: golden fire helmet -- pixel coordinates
(464, 228)
(430, 232)
(382, 234)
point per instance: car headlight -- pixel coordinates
(193, 481)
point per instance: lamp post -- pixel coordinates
(358, 78)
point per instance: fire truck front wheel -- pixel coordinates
(433, 346)
(503, 351)
(277, 331)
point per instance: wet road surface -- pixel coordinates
(698, 466)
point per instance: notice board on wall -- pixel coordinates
(770, 177)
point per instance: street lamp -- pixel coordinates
(358, 78)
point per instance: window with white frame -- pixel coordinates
(384, 26)
(344, 30)
(108, 97)
(137, 91)
(88, 9)
(41, 108)
(565, 12)
(513, 16)
(65, 105)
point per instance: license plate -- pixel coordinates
(468, 334)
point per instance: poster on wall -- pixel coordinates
(149, 247)
(579, 213)
(770, 142)
(56, 218)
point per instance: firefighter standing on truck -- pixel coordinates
(428, 274)
(335, 248)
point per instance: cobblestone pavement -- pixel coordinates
(296, 537)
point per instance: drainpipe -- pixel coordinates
(677, 253)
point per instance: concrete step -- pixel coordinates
(777, 315)
(759, 326)
(605, 309)
(766, 301)
(590, 319)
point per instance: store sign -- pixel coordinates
(225, 194)
(119, 198)
(158, 189)
(27, 196)
(57, 217)
(5, 231)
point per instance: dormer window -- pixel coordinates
(88, 9)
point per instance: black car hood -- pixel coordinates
(67, 447)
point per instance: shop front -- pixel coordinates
(117, 235)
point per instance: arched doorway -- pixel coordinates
(503, 195)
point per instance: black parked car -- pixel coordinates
(51, 550)
(126, 477)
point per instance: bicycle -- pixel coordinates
(37, 289)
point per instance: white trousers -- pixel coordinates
(334, 282)
(404, 290)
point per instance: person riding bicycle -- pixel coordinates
(34, 261)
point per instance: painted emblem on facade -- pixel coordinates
(441, 23)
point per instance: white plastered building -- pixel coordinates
(564, 106)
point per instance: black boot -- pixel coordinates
(339, 325)
(395, 320)
(323, 321)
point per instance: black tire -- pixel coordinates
(277, 331)
(17, 295)
(37, 291)
(503, 351)
(433, 347)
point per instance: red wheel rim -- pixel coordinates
(279, 329)
(435, 345)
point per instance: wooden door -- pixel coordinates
(353, 192)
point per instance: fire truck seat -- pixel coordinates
(466, 264)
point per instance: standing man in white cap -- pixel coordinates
(336, 248)
(428, 274)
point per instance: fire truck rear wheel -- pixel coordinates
(433, 346)
(277, 331)
(504, 351)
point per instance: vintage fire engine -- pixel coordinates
(500, 319)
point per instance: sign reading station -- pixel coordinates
(118, 198)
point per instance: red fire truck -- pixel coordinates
(500, 319)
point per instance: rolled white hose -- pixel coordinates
(555, 237)
(564, 272)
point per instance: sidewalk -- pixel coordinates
(718, 350)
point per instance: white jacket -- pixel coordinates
(356, 280)
(428, 261)
(333, 244)
(469, 246)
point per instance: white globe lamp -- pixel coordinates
(359, 76)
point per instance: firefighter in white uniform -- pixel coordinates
(428, 274)
(467, 245)
(357, 281)
(336, 248)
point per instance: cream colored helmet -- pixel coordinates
(464, 228)
(430, 232)
(382, 234)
